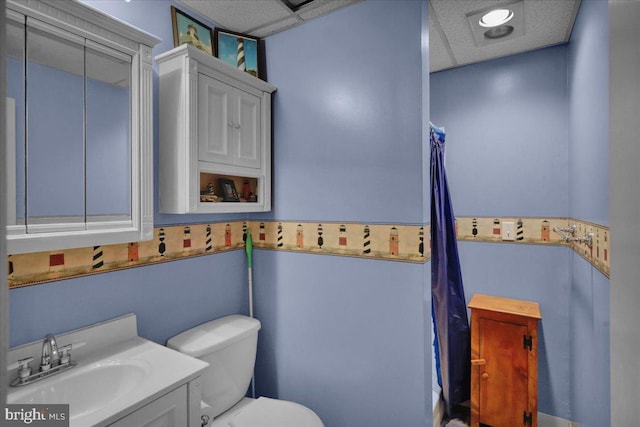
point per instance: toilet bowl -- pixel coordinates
(229, 346)
(266, 412)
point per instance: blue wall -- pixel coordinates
(506, 123)
(343, 336)
(55, 190)
(348, 114)
(527, 135)
(168, 298)
(507, 134)
(588, 59)
(348, 337)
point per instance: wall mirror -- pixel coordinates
(79, 101)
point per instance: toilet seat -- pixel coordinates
(266, 412)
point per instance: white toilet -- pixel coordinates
(229, 346)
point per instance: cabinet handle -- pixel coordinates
(478, 362)
(237, 126)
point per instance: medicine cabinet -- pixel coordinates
(215, 135)
(80, 137)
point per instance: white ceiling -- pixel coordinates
(261, 18)
(455, 38)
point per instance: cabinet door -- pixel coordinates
(169, 410)
(215, 120)
(246, 137)
(504, 378)
(228, 124)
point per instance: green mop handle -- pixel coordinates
(249, 248)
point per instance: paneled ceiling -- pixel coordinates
(261, 18)
(455, 38)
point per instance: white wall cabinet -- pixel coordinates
(229, 124)
(215, 134)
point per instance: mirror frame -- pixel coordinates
(96, 26)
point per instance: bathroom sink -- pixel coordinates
(86, 389)
(116, 373)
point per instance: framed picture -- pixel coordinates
(187, 30)
(239, 50)
(229, 192)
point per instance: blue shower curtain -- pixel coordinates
(452, 343)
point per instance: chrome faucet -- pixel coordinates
(50, 357)
(53, 360)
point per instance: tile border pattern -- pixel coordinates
(395, 242)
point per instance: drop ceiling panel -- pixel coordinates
(440, 57)
(260, 18)
(319, 8)
(544, 23)
(277, 26)
(240, 15)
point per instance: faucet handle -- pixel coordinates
(65, 354)
(24, 369)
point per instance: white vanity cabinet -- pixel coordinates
(215, 135)
(120, 379)
(169, 410)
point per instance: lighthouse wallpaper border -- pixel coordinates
(237, 49)
(389, 242)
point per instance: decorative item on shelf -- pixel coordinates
(246, 190)
(229, 192)
(209, 195)
(187, 30)
(239, 50)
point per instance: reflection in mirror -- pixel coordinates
(55, 130)
(15, 123)
(70, 103)
(108, 139)
(80, 100)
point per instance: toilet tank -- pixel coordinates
(229, 346)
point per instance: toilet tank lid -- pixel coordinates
(214, 335)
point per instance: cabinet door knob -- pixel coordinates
(237, 125)
(485, 376)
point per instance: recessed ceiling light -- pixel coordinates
(498, 32)
(495, 18)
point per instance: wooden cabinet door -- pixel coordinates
(504, 365)
(504, 378)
